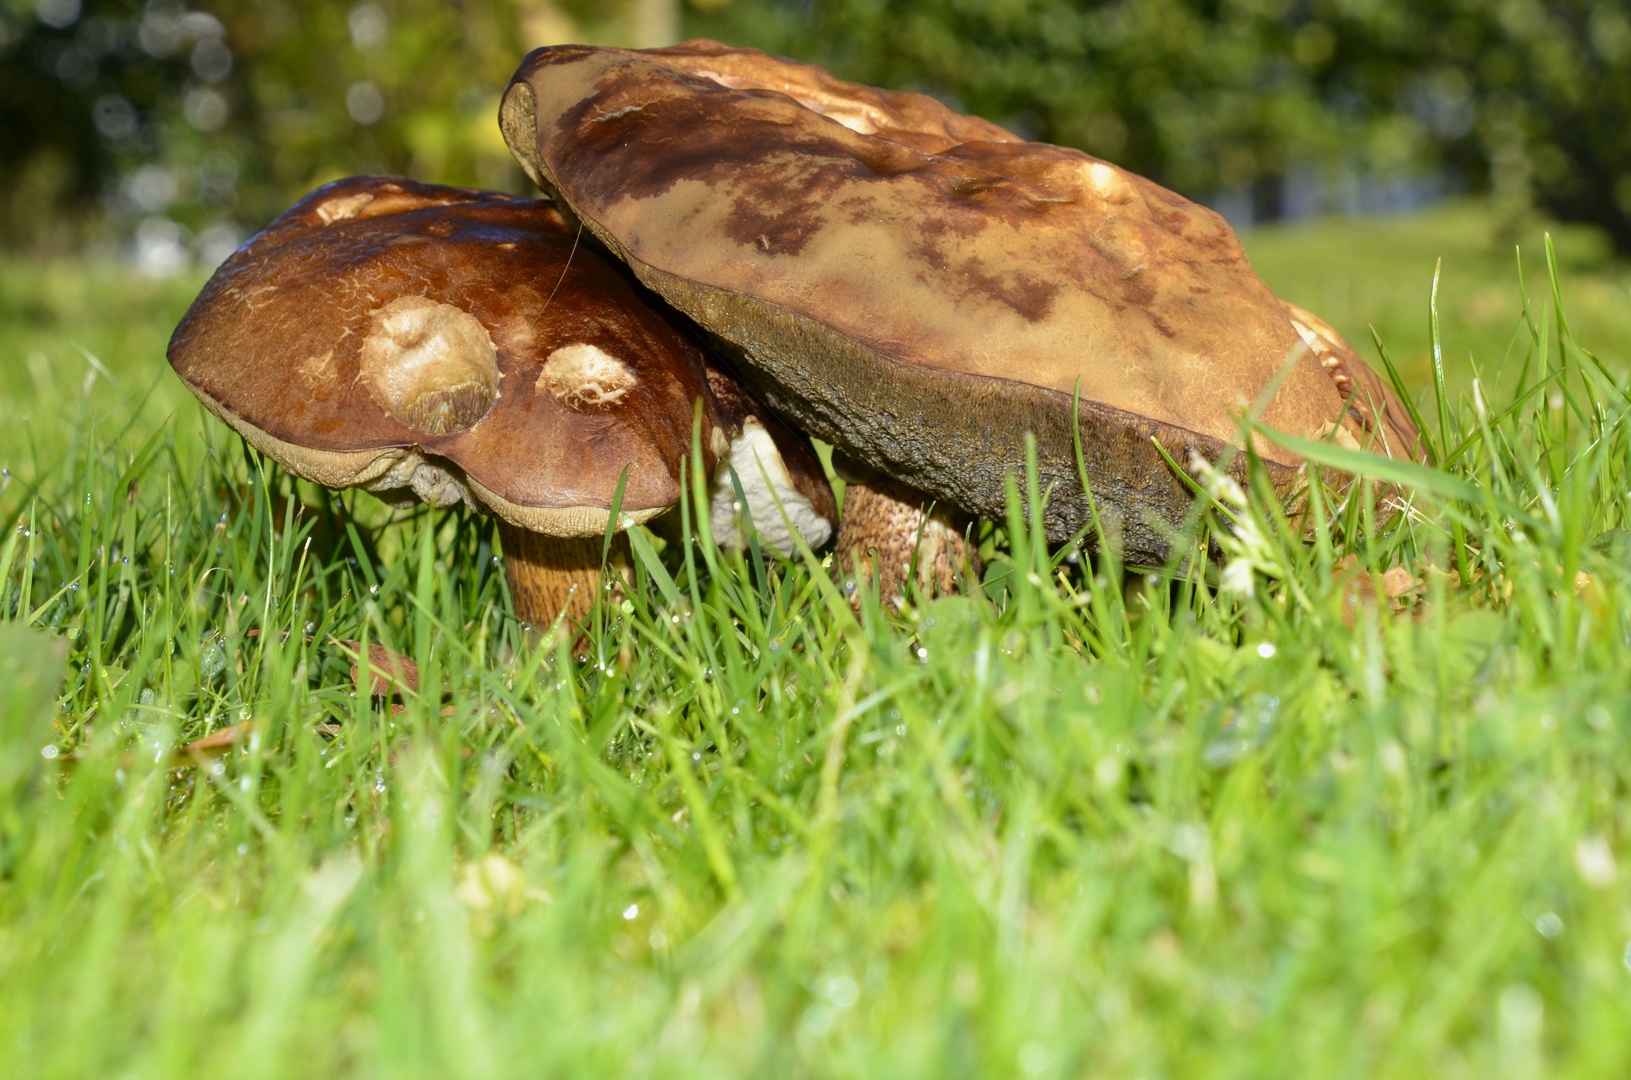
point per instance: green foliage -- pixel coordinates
(224, 115)
(238, 107)
(30, 672)
(1073, 824)
(244, 105)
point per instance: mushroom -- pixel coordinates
(446, 345)
(1380, 412)
(923, 289)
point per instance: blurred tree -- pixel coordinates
(191, 126)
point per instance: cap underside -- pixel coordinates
(370, 470)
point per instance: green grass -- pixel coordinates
(1359, 273)
(1072, 826)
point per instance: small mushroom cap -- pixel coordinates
(919, 287)
(450, 344)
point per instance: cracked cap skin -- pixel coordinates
(923, 288)
(442, 343)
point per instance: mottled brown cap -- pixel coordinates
(919, 287)
(442, 343)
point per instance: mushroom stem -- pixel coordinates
(549, 575)
(884, 524)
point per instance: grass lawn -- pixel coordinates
(1378, 272)
(1075, 826)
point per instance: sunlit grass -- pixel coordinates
(1073, 825)
(1359, 273)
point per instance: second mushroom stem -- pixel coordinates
(884, 524)
(551, 575)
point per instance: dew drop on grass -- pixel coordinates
(1548, 924)
(631, 912)
(1266, 650)
(842, 991)
(817, 1020)
(48, 752)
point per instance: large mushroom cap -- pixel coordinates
(919, 287)
(449, 343)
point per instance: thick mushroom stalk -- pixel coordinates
(553, 577)
(888, 527)
(441, 345)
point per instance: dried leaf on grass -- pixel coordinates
(214, 744)
(1396, 586)
(386, 670)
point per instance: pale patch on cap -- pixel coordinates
(342, 207)
(430, 365)
(319, 373)
(1107, 182)
(583, 377)
(1338, 434)
(859, 116)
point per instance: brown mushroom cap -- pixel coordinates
(449, 343)
(918, 287)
